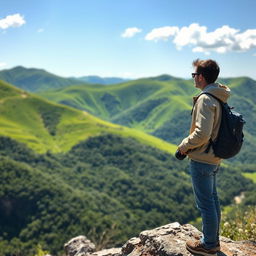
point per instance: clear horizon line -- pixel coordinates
(117, 76)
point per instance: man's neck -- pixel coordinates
(204, 86)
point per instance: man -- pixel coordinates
(206, 118)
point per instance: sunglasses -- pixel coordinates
(194, 74)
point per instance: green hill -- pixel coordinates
(159, 106)
(32, 80)
(144, 104)
(48, 126)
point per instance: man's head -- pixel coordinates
(206, 72)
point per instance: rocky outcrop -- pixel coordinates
(79, 246)
(168, 240)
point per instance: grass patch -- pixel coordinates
(251, 176)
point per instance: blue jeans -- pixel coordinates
(204, 185)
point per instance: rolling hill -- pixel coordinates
(144, 104)
(159, 106)
(33, 80)
(48, 126)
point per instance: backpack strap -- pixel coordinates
(221, 103)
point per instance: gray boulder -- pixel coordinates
(168, 240)
(79, 246)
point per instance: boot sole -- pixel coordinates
(201, 253)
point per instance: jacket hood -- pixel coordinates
(218, 90)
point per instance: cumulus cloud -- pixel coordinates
(15, 20)
(221, 40)
(162, 33)
(131, 32)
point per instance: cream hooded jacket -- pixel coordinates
(206, 118)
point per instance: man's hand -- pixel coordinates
(182, 152)
(180, 155)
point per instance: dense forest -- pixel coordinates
(108, 188)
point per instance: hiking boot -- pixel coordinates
(198, 248)
(197, 237)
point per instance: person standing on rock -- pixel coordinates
(206, 118)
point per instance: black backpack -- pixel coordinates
(230, 136)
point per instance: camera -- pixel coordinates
(179, 156)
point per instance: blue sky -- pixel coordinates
(133, 38)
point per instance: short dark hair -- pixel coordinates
(208, 68)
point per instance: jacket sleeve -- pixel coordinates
(204, 112)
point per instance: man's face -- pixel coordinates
(197, 80)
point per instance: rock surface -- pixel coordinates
(79, 246)
(168, 240)
(108, 252)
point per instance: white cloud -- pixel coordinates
(2, 64)
(222, 40)
(161, 33)
(126, 75)
(40, 30)
(15, 20)
(131, 32)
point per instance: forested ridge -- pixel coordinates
(107, 187)
(160, 106)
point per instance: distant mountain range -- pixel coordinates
(102, 80)
(34, 80)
